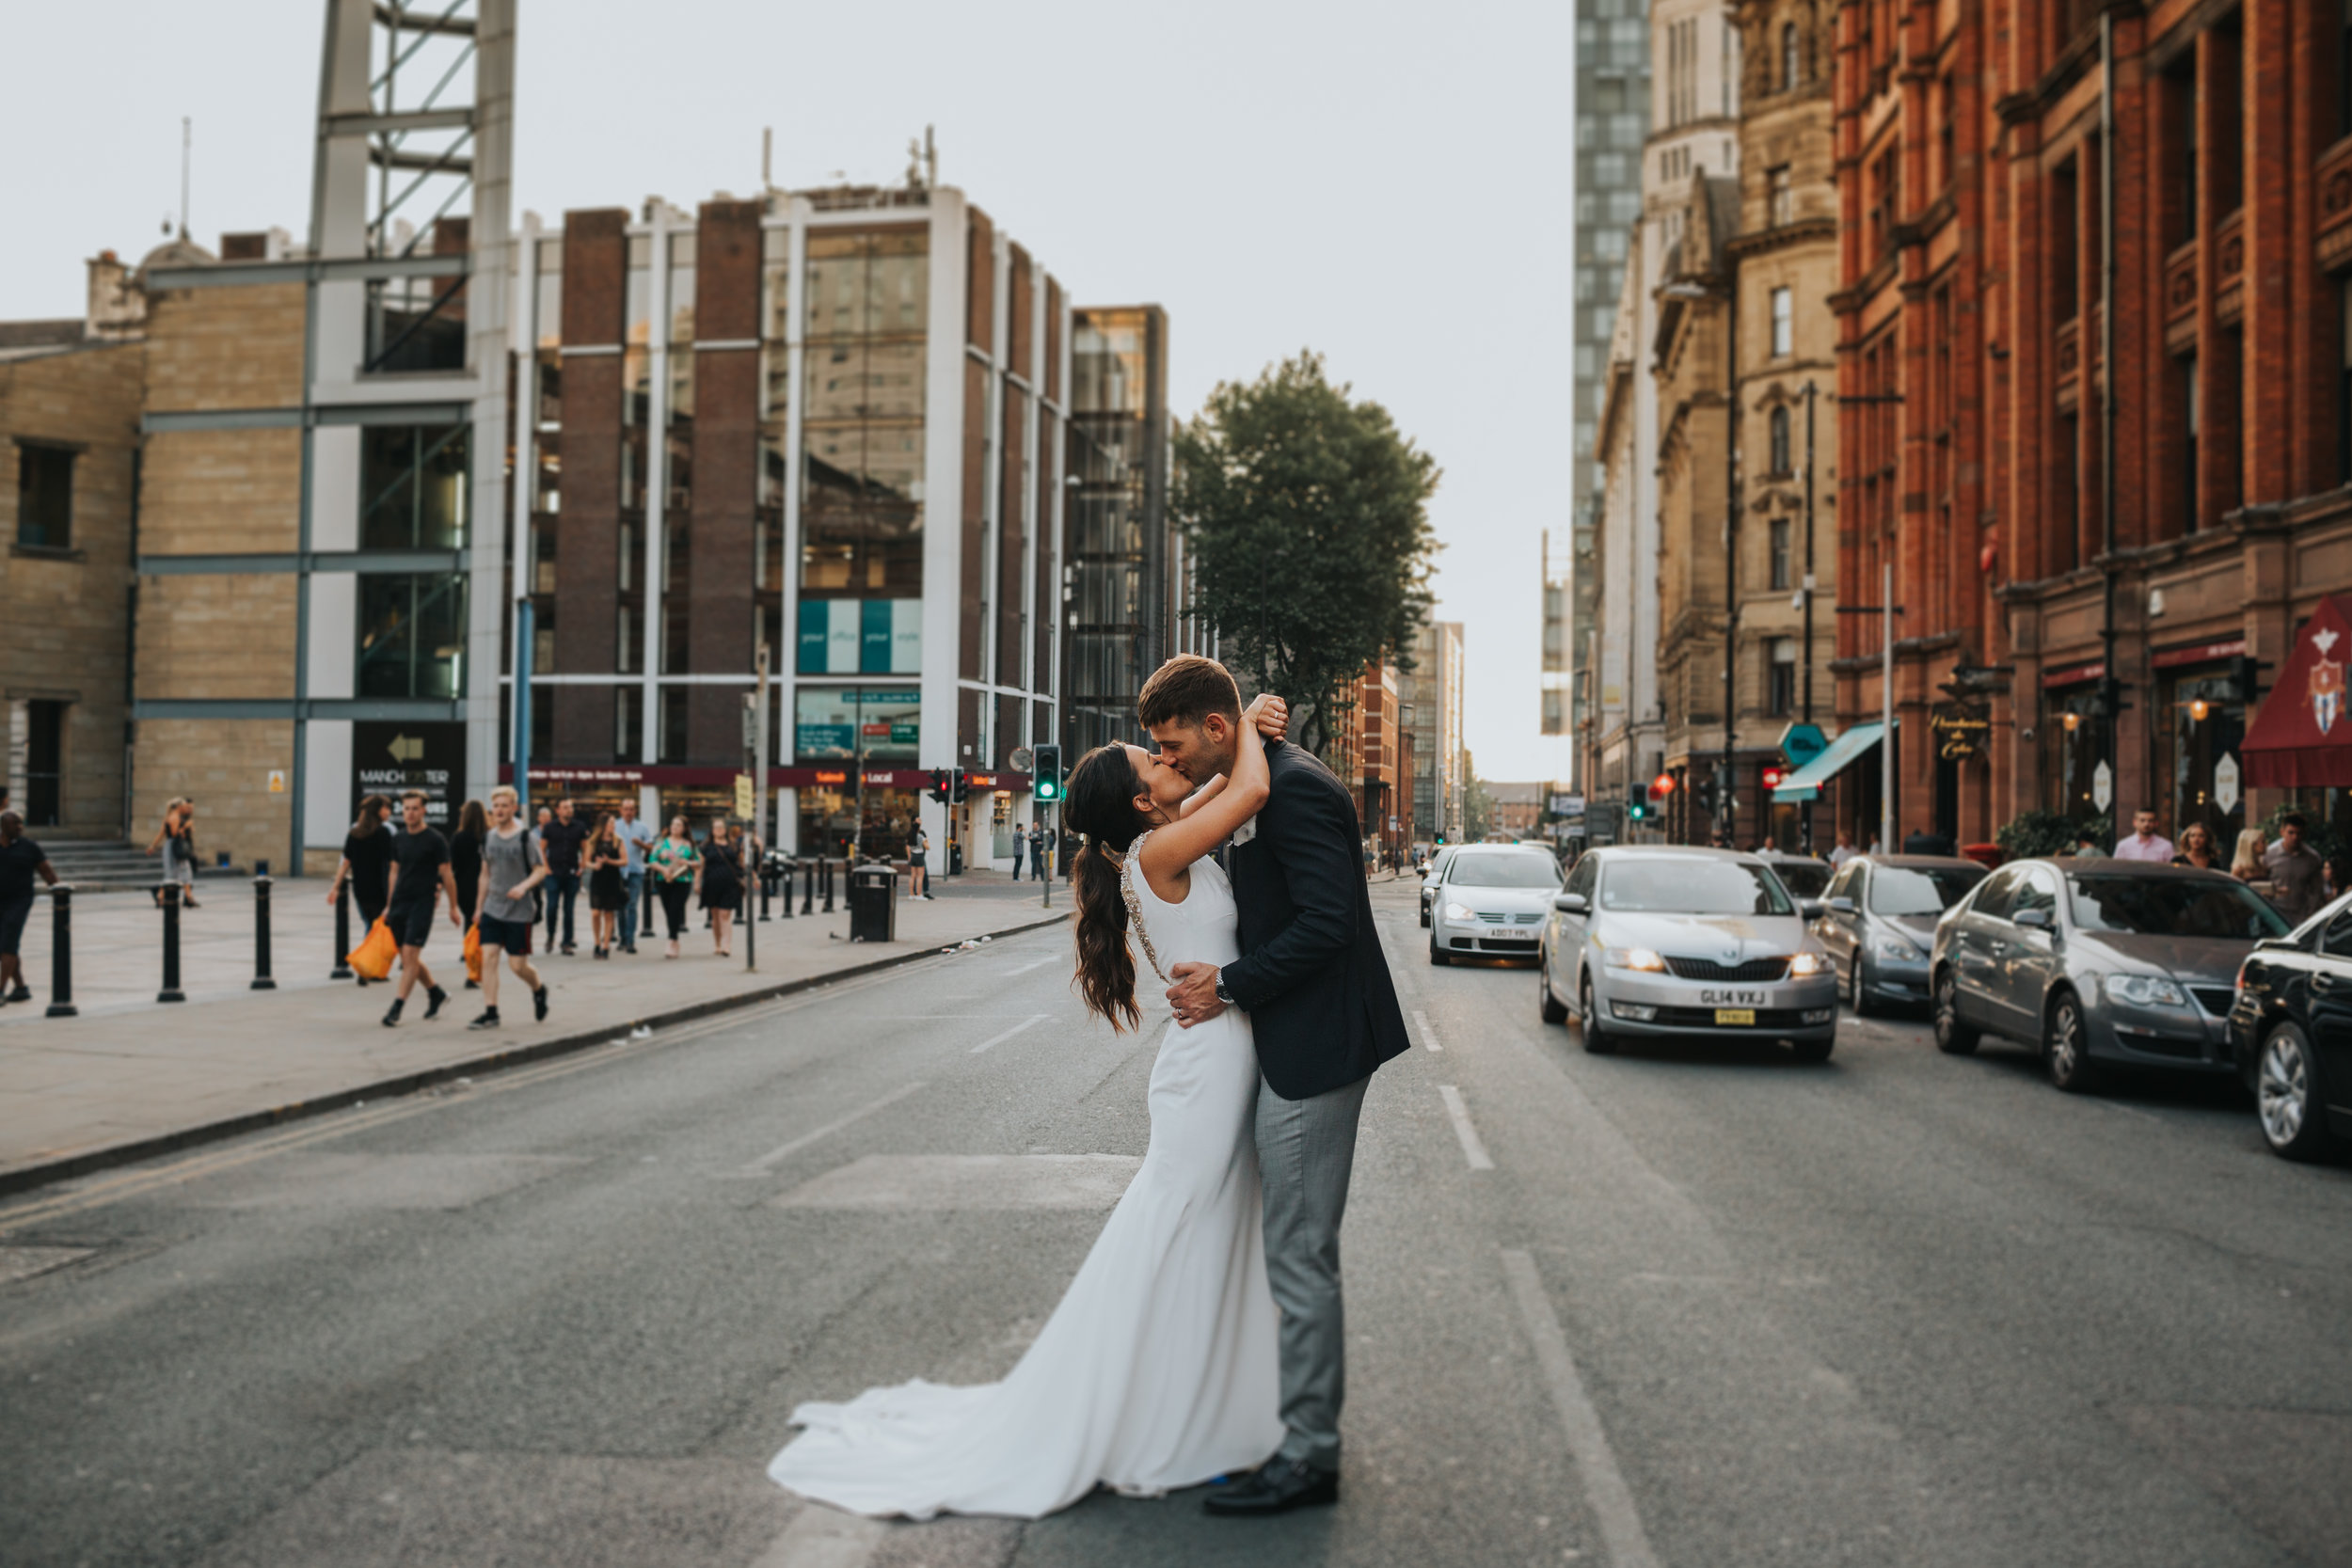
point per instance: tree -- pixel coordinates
(1309, 522)
(1478, 807)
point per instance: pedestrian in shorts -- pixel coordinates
(21, 861)
(419, 875)
(512, 870)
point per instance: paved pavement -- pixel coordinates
(130, 1070)
(1689, 1305)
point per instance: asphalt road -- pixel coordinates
(1696, 1306)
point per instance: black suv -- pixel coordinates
(2291, 1032)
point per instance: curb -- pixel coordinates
(26, 1177)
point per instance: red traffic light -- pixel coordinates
(1771, 777)
(1662, 785)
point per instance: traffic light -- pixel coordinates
(939, 786)
(960, 786)
(1771, 777)
(1046, 770)
(1636, 809)
(2246, 672)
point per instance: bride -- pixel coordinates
(1159, 1369)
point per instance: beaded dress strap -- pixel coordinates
(1135, 907)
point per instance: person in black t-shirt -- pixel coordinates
(561, 841)
(420, 872)
(21, 861)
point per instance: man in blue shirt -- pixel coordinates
(636, 837)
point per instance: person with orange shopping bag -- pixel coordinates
(420, 876)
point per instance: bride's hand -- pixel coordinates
(1269, 714)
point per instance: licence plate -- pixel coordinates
(1735, 1015)
(1731, 999)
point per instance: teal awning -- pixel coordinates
(1806, 781)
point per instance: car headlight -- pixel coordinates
(2145, 991)
(1804, 965)
(1898, 949)
(1632, 957)
(1461, 912)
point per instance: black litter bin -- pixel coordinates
(873, 904)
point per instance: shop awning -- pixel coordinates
(2303, 736)
(1806, 781)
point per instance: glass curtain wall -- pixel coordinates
(1108, 549)
(775, 460)
(544, 493)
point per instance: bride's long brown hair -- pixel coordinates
(1100, 803)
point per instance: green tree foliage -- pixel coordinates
(2046, 833)
(1478, 811)
(1308, 514)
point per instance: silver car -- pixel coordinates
(1880, 924)
(1491, 901)
(2099, 962)
(1651, 941)
(1430, 876)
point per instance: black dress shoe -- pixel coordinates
(1277, 1486)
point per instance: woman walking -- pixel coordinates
(510, 871)
(176, 840)
(607, 892)
(2246, 864)
(465, 861)
(675, 862)
(2197, 848)
(722, 880)
(367, 864)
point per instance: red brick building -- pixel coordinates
(2040, 579)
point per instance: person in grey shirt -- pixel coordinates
(511, 866)
(2295, 870)
(636, 837)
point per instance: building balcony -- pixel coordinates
(2229, 269)
(2333, 177)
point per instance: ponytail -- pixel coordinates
(1099, 803)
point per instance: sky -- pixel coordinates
(1386, 183)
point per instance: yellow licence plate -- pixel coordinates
(1735, 1015)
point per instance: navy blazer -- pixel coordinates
(1311, 975)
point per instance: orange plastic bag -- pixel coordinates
(372, 958)
(474, 954)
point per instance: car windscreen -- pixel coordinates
(1537, 870)
(1692, 886)
(2174, 907)
(1908, 890)
(1805, 879)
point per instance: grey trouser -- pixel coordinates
(1306, 1148)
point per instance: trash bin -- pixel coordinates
(873, 904)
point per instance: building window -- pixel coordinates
(1781, 198)
(1783, 325)
(864, 299)
(45, 497)
(1781, 697)
(1788, 57)
(413, 483)
(412, 635)
(1780, 553)
(1783, 462)
(45, 763)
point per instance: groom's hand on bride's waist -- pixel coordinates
(1193, 998)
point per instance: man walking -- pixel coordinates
(2145, 843)
(1323, 1012)
(21, 861)
(635, 838)
(1019, 839)
(2295, 871)
(419, 874)
(561, 840)
(512, 870)
(1037, 851)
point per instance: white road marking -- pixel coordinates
(818, 1537)
(1428, 1036)
(784, 1151)
(1605, 1490)
(1030, 1022)
(1040, 963)
(1473, 1150)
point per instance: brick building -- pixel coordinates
(2081, 573)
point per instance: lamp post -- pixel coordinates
(1726, 790)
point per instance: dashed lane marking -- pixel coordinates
(784, 1151)
(1605, 1491)
(1473, 1148)
(1428, 1036)
(1030, 1022)
(1038, 963)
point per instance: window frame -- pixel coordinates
(32, 453)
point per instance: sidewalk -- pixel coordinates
(132, 1077)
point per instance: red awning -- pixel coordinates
(2303, 736)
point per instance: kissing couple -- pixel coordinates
(1203, 1335)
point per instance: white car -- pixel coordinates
(1491, 901)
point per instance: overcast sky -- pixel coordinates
(1385, 183)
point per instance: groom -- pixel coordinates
(1323, 1012)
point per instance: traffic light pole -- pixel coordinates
(1053, 855)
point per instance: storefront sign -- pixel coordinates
(2203, 653)
(883, 723)
(746, 799)
(1961, 731)
(392, 758)
(2072, 674)
(861, 637)
(2225, 783)
(2103, 786)
(1800, 743)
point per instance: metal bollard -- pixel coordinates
(808, 888)
(767, 886)
(827, 865)
(172, 991)
(61, 952)
(343, 934)
(260, 934)
(785, 874)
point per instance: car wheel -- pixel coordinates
(1815, 1052)
(2065, 1050)
(1952, 1036)
(1550, 1007)
(1859, 984)
(1438, 957)
(2286, 1096)
(1597, 1040)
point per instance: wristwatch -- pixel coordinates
(1223, 996)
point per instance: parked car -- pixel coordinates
(2097, 961)
(2291, 1032)
(1649, 942)
(1429, 875)
(1491, 901)
(1879, 923)
(1802, 875)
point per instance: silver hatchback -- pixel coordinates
(1652, 941)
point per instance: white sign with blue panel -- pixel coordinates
(861, 637)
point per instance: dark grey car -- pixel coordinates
(2099, 962)
(1881, 924)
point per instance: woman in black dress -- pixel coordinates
(607, 894)
(722, 881)
(465, 860)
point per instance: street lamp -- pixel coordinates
(1725, 794)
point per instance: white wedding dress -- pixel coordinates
(1158, 1369)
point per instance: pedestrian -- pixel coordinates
(561, 840)
(675, 864)
(722, 880)
(608, 892)
(512, 870)
(2144, 843)
(2295, 871)
(1037, 851)
(1020, 840)
(367, 864)
(1844, 851)
(176, 841)
(464, 860)
(918, 861)
(2197, 848)
(636, 837)
(539, 840)
(2246, 861)
(21, 861)
(2087, 844)
(420, 876)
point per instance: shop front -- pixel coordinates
(2199, 731)
(2071, 743)
(2301, 740)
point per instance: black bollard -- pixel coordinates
(767, 885)
(783, 871)
(260, 934)
(172, 991)
(808, 888)
(61, 952)
(343, 934)
(827, 867)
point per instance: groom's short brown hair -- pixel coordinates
(1186, 689)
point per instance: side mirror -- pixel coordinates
(1570, 903)
(2032, 920)
(1813, 908)
(1841, 905)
